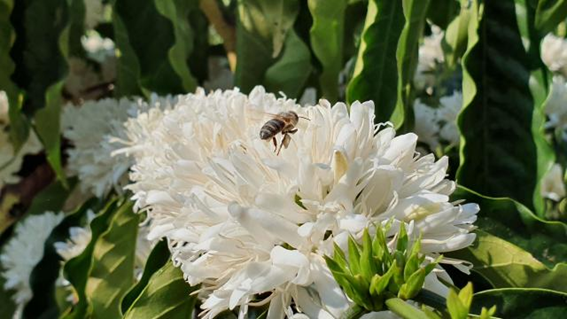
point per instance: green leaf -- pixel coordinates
(7, 305)
(261, 29)
(77, 270)
(504, 265)
(153, 55)
(44, 276)
(513, 222)
(549, 14)
(402, 242)
(504, 87)
(157, 259)
(290, 73)
(375, 73)
(167, 295)
(413, 285)
(455, 306)
(378, 285)
(177, 12)
(455, 40)
(522, 303)
(327, 42)
(466, 295)
(353, 256)
(51, 198)
(19, 128)
(407, 57)
(404, 310)
(441, 12)
(47, 124)
(112, 271)
(367, 266)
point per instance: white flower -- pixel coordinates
(89, 129)
(252, 227)
(553, 185)
(430, 57)
(554, 53)
(93, 129)
(556, 106)
(94, 11)
(426, 125)
(11, 163)
(98, 48)
(449, 109)
(22, 253)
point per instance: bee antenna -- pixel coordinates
(305, 118)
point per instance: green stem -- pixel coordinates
(354, 312)
(431, 299)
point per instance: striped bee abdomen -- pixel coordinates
(271, 128)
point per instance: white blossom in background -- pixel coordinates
(94, 13)
(426, 124)
(436, 126)
(11, 163)
(554, 53)
(98, 48)
(556, 107)
(553, 185)
(241, 221)
(449, 108)
(93, 129)
(24, 250)
(89, 128)
(430, 57)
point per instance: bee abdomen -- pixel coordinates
(271, 128)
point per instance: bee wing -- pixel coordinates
(260, 115)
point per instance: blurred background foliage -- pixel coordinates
(59, 52)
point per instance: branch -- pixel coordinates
(225, 30)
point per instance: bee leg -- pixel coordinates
(293, 131)
(285, 142)
(275, 143)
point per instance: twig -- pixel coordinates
(225, 30)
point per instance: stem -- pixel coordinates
(354, 312)
(226, 31)
(402, 309)
(431, 299)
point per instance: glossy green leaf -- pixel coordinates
(327, 42)
(466, 295)
(44, 276)
(413, 285)
(290, 73)
(375, 73)
(167, 295)
(77, 270)
(503, 151)
(353, 256)
(522, 303)
(513, 222)
(19, 128)
(404, 310)
(157, 259)
(47, 124)
(505, 265)
(549, 14)
(442, 12)
(455, 40)
(177, 12)
(153, 55)
(407, 57)
(112, 271)
(455, 306)
(261, 30)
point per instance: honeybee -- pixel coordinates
(284, 123)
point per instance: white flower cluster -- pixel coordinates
(436, 126)
(24, 250)
(430, 57)
(251, 227)
(92, 130)
(554, 54)
(11, 163)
